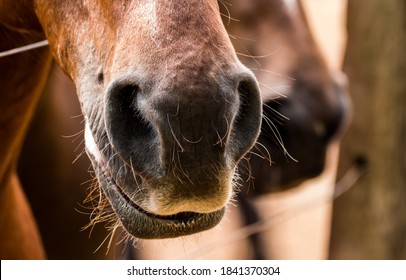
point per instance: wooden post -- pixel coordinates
(369, 222)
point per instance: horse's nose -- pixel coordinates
(187, 125)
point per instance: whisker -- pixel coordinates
(174, 136)
(268, 155)
(248, 53)
(228, 15)
(278, 137)
(75, 135)
(221, 138)
(276, 112)
(236, 37)
(83, 152)
(258, 56)
(273, 89)
(273, 73)
(192, 142)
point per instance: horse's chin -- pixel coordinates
(143, 224)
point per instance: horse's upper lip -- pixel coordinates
(143, 224)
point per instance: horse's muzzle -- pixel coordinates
(173, 148)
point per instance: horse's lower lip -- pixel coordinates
(145, 225)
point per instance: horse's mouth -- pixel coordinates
(137, 221)
(145, 225)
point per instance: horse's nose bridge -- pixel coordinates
(206, 118)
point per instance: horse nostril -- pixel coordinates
(127, 129)
(248, 120)
(245, 88)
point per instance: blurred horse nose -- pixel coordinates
(185, 124)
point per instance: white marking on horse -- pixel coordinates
(91, 144)
(148, 13)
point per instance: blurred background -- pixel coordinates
(369, 221)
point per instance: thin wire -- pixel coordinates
(25, 48)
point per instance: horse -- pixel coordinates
(169, 109)
(306, 109)
(293, 79)
(305, 106)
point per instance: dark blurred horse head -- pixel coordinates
(305, 106)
